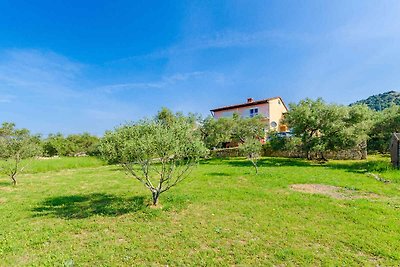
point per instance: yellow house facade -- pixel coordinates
(271, 109)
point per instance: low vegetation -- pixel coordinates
(223, 214)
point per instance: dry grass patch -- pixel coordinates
(7, 188)
(332, 191)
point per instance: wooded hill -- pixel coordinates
(381, 101)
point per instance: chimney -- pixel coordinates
(250, 100)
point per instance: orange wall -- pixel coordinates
(276, 112)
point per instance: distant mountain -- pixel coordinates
(381, 101)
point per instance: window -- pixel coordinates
(253, 112)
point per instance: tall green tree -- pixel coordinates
(159, 152)
(248, 128)
(306, 122)
(16, 145)
(215, 133)
(57, 144)
(324, 127)
(386, 122)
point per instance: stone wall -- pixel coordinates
(350, 154)
(226, 152)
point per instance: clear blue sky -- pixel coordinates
(74, 66)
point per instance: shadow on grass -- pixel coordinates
(218, 174)
(362, 166)
(273, 162)
(84, 206)
(6, 183)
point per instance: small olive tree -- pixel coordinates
(159, 152)
(16, 145)
(251, 148)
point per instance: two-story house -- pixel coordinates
(271, 109)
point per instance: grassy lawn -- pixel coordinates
(62, 163)
(66, 213)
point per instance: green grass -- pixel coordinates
(222, 215)
(62, 163)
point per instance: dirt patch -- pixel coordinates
(332, 191)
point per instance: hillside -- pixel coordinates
(381, 101)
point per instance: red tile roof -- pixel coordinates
(249, 104)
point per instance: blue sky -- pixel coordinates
(75, 66)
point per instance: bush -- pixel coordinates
(72, 145)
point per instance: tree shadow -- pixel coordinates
(218, 174)
(84, 206)
(274, 162)
(6, 183)
(270, 161)
(364, 166)
(216, 161)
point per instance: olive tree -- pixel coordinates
(236, 129)
(216, 132)
(252, 148)
(385, 124)
(159, 152)
(16, 145)
(248, 128)
(328, 127)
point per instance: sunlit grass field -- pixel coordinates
(80, 212)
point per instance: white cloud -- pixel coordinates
(225, 39)
(158, 84)
(53, 90)
(38, 73)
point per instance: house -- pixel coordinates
(395, 150)
(271, 109)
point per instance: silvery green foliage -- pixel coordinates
(385, 124)
(328, 127)
(159, 152)
(252, 148)
(217, 132)
(15, 146)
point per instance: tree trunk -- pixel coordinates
(156, 195)
(323, 156)
(14, 179)
(255, 166)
